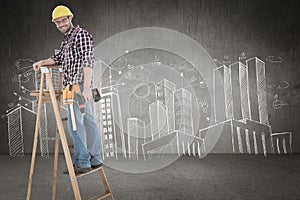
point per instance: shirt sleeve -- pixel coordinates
(57, 57)
(85, 47)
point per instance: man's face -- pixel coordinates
(64, 24)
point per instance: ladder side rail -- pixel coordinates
(37, 124)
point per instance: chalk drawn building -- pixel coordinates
(136, 132)
(239, 136)
(158, 120)
(176, 143)
(222, 94)
(257, 91)
(183, 111)
(182, 140)
(164, 91)
(282, 143)
(241, 109)
(15, 132)
(110, 124)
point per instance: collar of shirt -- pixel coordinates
(72, 31)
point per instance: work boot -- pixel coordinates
(97, 166)
(81, 170)
(78, 170)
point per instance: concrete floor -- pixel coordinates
(214, 177)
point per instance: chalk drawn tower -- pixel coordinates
(158, 120)
(183, 111)
(165, 93)
(239, 92)
(222, 94)
(136, 131)
(113, 142)
(257, 90)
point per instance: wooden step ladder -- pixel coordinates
(54, 97)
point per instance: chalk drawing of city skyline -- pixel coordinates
(240, 109)
(14, 115)
(239, 106)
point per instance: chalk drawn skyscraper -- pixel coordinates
(165, 94)
(222, 94)
(158, 120)
(257, 90)
(243, 92)
(113, 142)
(243, 89)
(136, 131)
(240, 91)
(183, 111)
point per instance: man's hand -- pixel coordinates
(87, 94)
(37, 65)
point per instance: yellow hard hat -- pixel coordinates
(61, 11)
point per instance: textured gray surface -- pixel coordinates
(224, 28)
(214, 177)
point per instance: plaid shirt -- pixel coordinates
(76, 51)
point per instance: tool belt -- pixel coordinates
(72, 93)
(69, 93)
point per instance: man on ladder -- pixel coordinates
(76, 55)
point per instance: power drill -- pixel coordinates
(96, 94)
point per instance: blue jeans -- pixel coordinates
(86, 139)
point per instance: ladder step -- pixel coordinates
(102, 196)
(45, 93)
(93, 170)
